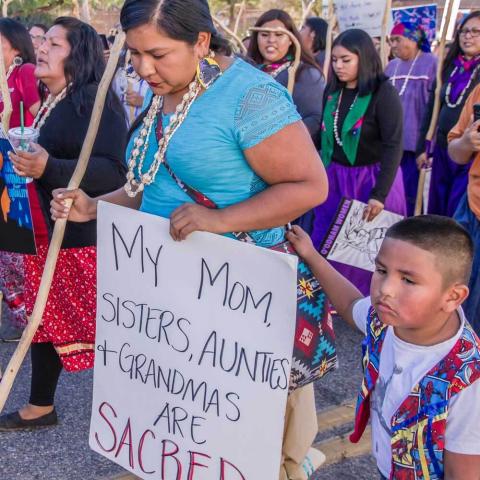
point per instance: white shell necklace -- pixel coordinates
(336, 133)
(10, 70)
(465, 90)
(407, 78)
(141, 142)
(47, 107)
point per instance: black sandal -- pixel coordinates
(13, 421)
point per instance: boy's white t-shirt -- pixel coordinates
(402, 366)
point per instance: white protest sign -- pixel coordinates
(354, 241)
(193, 350)
(364, 14)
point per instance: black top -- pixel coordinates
(307, 96)
(62, 136)
(448, 117)
(381, 137)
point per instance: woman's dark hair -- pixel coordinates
(180, 19)
(19, 38)
(282, 16)
(85, 64)
(370, 71)
(41, 26)
(454, 49)
(320, 28)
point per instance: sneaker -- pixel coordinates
(13, 421)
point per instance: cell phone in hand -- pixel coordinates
(104, 40)
(476, 113)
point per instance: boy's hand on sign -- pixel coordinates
(191, 217)
(301, 242)
(30, 164)
(82, 209)
(372, 210)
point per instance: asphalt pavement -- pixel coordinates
(62, 453)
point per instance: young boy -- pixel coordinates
(421, 357)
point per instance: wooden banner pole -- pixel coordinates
(332, 20)
(292, 71)
(59, 230)
(436, 107)
(383, 41)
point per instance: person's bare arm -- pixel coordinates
(342, 294)
(461, 149)
(297, 180)
(459, 466)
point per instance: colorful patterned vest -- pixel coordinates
(418, 426)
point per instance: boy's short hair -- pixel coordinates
(451, 244)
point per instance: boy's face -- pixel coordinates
(408, 290)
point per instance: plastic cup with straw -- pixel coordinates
(22, 126)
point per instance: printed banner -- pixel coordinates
(353, 241)
(16, 227)
(424, 15)
(193, 351)
(364, 14)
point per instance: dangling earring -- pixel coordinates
(208, 70)
(17, 61)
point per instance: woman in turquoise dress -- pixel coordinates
(217, 131)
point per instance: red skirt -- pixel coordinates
(69, 318)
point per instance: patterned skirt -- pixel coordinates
(11, 285)
(69, 318)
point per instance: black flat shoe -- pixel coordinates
(13, 421)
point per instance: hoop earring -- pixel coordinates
(17, 61)
(208, 70)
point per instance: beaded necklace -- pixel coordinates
(407, 78)
(462, 95)
(141, 142)
(47, 107)
(336, 133)
(10, 70)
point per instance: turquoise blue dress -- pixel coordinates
(240, 110)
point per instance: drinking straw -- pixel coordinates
(22, 126)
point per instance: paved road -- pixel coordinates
(62, 453)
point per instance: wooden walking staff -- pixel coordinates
(7, 101)
(131, 110)
(59, 230)
(233, 35)
(332, 20)
(383, 41)
(436, 108)
(292, 71)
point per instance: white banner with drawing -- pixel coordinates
(364, 14)
(193, 351)
(352, 240)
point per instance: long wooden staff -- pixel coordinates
(383, 40)
(332, 20)
(59, 230)
(131, 110)
(239, 16)
(436, 108)
(233, 35)
(7, 101)
(306, 10)
(292, 71)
